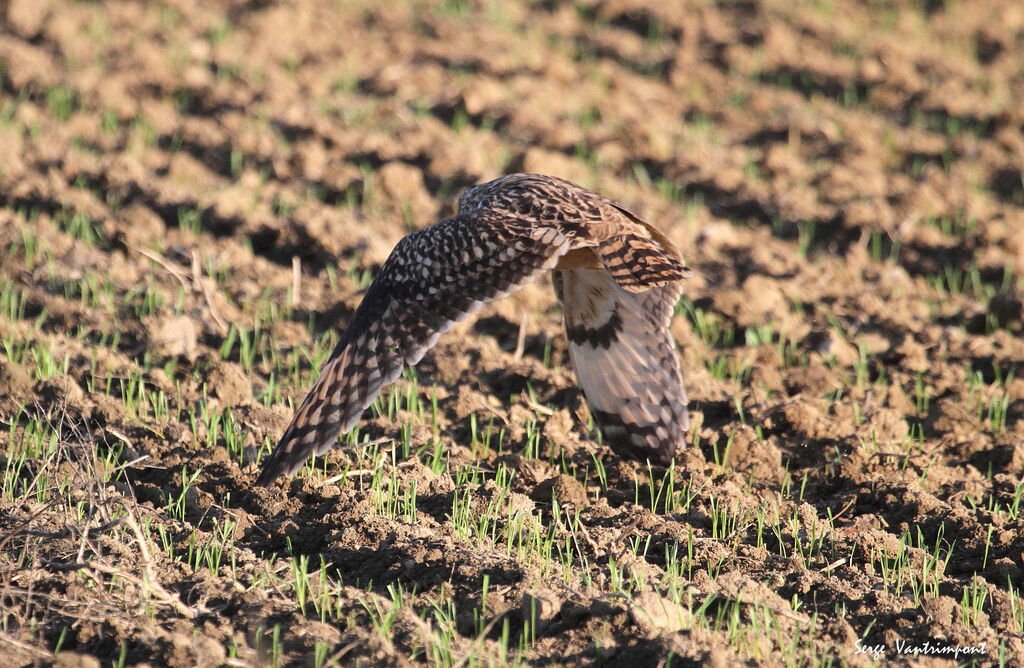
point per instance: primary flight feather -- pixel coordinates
(617, 277)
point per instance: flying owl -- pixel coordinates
(618, 280)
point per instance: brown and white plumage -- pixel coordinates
(617, 277)
(625, 361)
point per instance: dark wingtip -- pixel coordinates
(272, 470)
(639, 442)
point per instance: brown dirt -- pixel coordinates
(845, 180)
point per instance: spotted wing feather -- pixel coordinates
(433, 279)
(638, 263)
(625, 361)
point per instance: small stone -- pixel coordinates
(566, 489)
(228, 382)
(657, 614)
(939, 610)
(541, 606)
(250, 454)
(173, 336)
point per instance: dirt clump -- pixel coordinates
(194, 198)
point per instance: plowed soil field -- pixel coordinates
(194, 196)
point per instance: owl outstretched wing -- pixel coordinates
(625, 361)
(433, 279)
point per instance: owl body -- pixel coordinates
(617, 277)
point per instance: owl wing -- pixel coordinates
(625, 361)
(433, 279)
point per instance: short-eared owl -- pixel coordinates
(617, 277)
